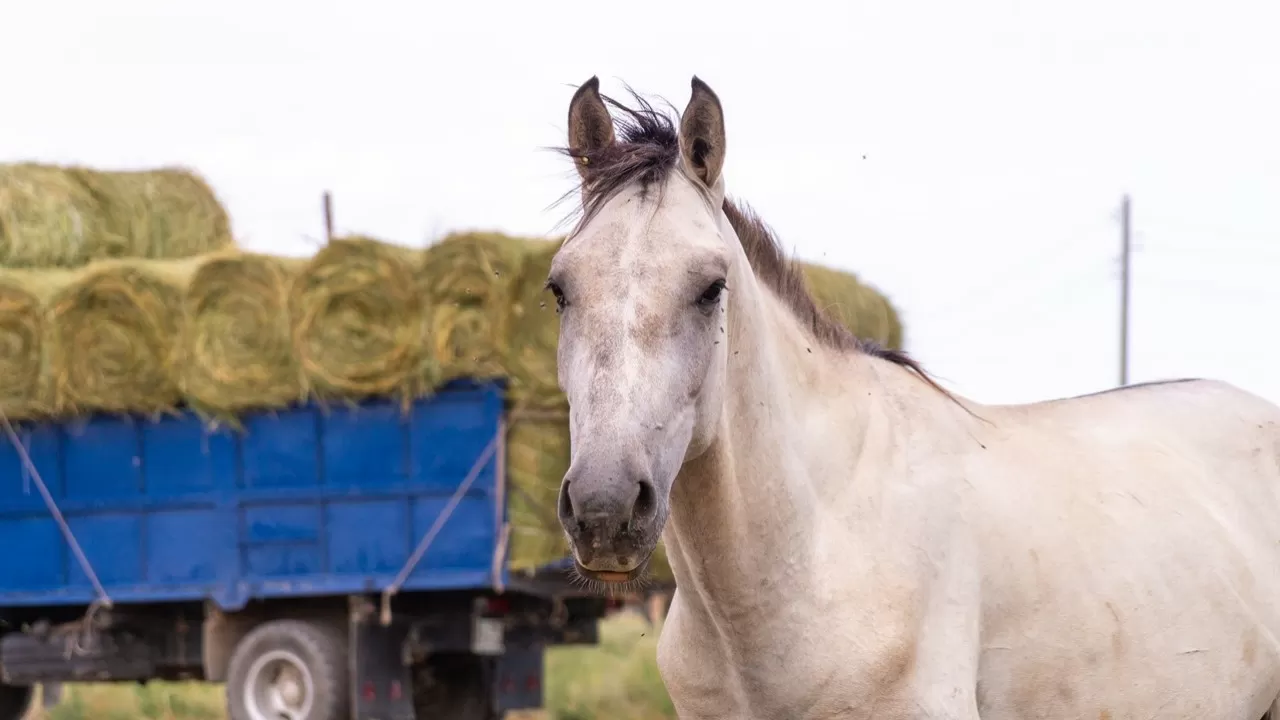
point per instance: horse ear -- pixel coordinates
(702, 140)
(590, 125)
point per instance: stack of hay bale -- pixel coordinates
(93, 266)
(68, 216)
(122, 292)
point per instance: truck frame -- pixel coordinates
(324, 561)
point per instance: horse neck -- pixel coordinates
(742, 513)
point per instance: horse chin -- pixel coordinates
(614, 574)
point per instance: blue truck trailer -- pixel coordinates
(331, 562)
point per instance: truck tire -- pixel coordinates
(457, 686)
(16, 701)
(289, 670)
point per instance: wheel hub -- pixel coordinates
(280, 687)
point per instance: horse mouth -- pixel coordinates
(614, 577)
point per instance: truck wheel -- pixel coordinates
(456, 686)
(16, 701)
(289, 670)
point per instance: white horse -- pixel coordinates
(848, 539)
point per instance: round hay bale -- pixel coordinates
(537, 457)
(467, 278)
(535, 330)
(164, 213)
(897, 337)
(53, 216)
(236, 347)
(879, 323)
(660, 566)
(358, 326)
(48, 218)
(862, 309)
(839, 295)
(26, 389)
(115, 329)
(873, 320)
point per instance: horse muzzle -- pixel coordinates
(612, 523)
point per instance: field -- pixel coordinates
(616, 679)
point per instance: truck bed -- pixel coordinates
(303, 501)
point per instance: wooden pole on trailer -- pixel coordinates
(328, 217)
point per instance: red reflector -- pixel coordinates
(395, 690)
(367, 690)
(531, 682)
(498, 606)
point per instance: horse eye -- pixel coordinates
(558, 293)
(711, 295)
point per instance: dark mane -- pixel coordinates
(646, 151)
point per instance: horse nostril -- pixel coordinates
(566, 505)
(646, 505)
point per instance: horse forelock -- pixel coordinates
(646, 152)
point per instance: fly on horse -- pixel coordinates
(850, 540)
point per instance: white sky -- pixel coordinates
(968, 159)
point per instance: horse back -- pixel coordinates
(1190, 417)
(1132, 533)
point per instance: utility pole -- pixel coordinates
(1126, 253)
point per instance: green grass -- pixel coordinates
(153, 701)
(617, 679)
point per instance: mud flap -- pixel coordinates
(518, 681)
(50, 694)
(381, 682)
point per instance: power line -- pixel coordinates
(1192, 227)
(998, 351)
(1182, 287)
(1037, 305)
(995, 288)
(1237, 254)
(1044, 267)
